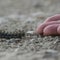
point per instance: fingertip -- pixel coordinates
(40, 28)
(58, 29)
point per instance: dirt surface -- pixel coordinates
(26, 15)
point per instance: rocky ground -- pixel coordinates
(26, 15)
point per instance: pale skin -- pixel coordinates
(51, 26)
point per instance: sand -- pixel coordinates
(27, 15)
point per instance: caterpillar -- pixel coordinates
(10, 35)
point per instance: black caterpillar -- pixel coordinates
(7, 35)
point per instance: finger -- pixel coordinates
(41, 27)
(53, 18)
(51, 30)
(58, 29)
